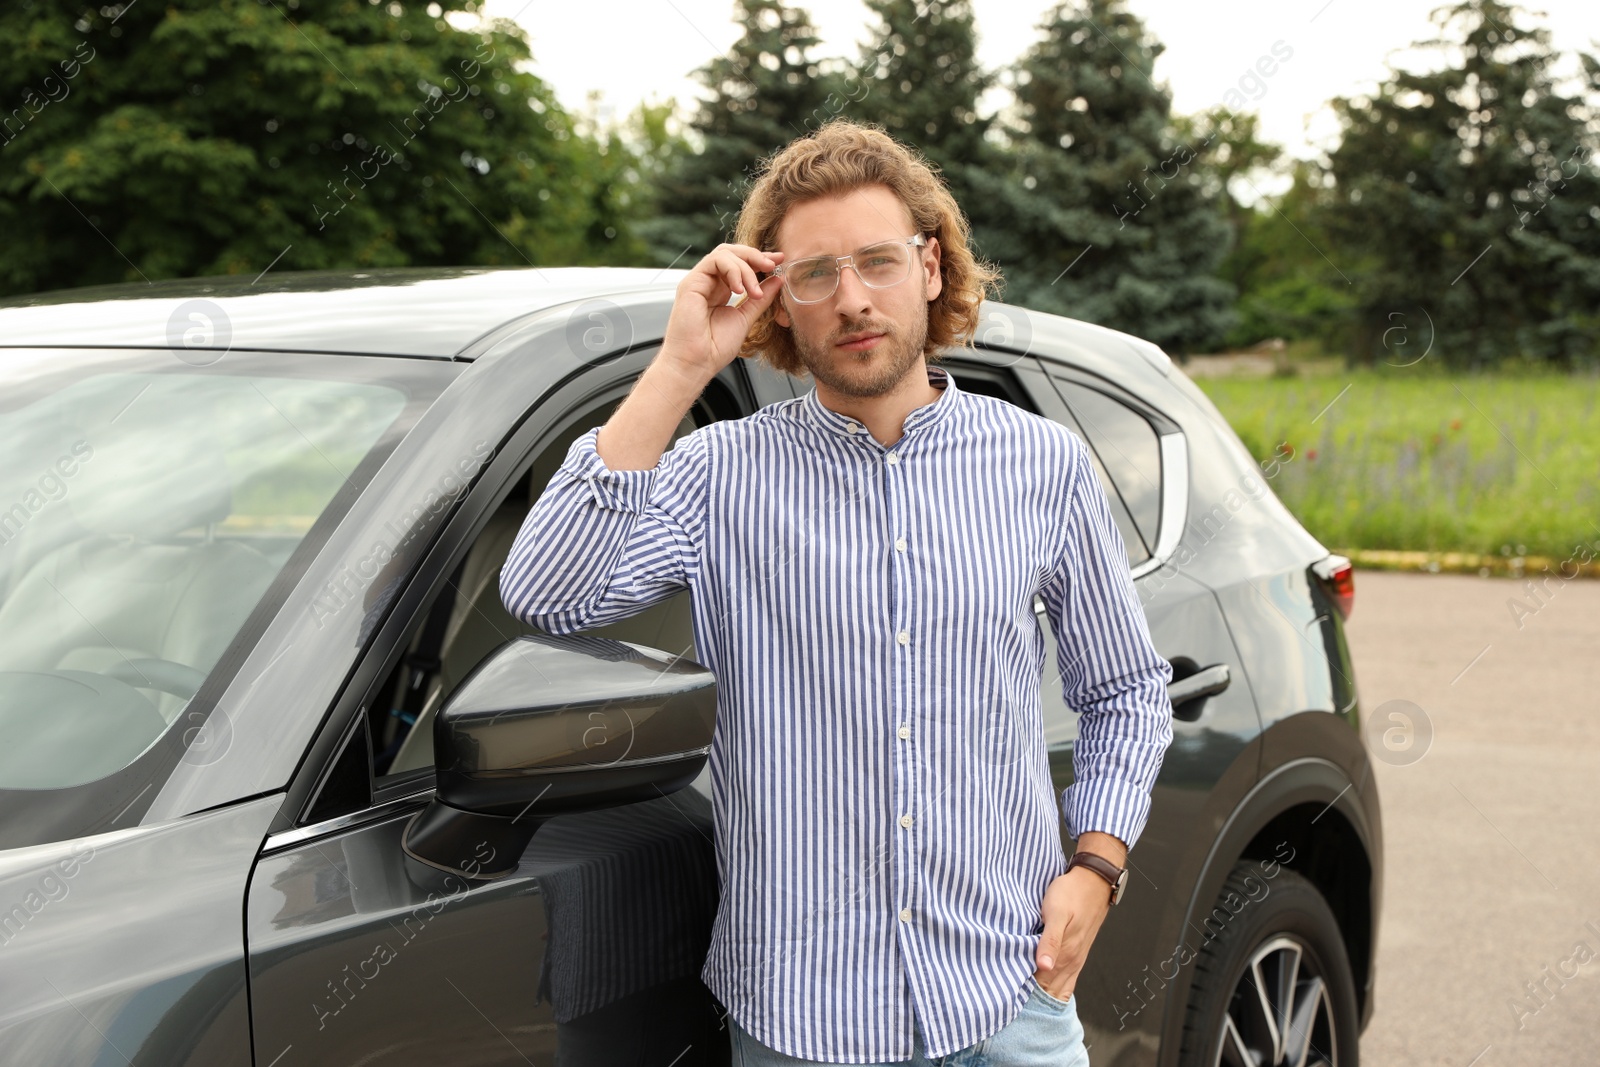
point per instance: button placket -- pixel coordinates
(905, 785)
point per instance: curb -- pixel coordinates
(1484, 565)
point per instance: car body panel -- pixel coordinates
(137, 954)
(591, 949)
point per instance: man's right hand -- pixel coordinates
(704, 333)
(703, 336)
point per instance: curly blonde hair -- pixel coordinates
(838, 158)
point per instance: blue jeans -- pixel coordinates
(1045, 1033)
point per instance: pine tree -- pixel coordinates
(923, 79)
(765, 93)
(1114, 225)
(923, 84)
(1471, 193)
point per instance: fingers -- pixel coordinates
(1049, 946)
(700, 326)
(744, 260)
(756, 300)
(734, 267)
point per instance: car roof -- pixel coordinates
(430, 311)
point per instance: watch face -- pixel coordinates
(1122, 883)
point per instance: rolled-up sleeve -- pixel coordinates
(1111, 672)
(600, 544)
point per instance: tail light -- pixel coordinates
(1338, 576)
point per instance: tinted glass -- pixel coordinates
(1131, 538)
(1128, 452)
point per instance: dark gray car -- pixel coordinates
(282, 782)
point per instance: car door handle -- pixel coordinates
(1203, 683)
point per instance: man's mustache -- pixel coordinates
(885, 329)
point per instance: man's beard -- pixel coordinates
(864, 374)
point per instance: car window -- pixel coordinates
(1127, 456)
(468, 621)
(146, 505)
(990, 382)
(1132, 540)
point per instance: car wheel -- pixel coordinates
(1273, 988)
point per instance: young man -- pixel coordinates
(863, 562)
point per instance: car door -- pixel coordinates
(589, 953)
(1141, 459)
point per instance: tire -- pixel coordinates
(1288, 935)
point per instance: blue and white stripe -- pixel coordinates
(885, 821)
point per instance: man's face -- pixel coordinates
(824, 332)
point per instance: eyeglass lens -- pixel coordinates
(880, 265)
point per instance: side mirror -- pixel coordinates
(547, 726)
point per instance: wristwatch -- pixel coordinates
(1116, 876)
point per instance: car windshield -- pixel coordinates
(146, 506)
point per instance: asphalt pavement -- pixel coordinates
(1489, 945)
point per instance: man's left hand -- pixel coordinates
(1074, 906)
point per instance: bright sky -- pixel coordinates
(636, 50)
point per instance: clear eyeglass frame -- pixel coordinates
(841, 262)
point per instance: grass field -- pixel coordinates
(1411, 458)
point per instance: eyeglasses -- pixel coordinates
(878, 266)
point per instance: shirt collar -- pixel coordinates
(924, 416)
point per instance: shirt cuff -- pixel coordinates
(1107, 805)
(618, 490)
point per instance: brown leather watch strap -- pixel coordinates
(1116, 876)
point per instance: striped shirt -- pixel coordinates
(885, 821)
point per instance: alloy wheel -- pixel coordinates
(1280, 1014)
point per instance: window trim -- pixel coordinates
(382, 808)
(1174, 502)
(1173, 447)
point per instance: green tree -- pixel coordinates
(764, 93)
(1115, 225)
(200, 137)
(1288, 287)
(1471, 191)
(922, 82)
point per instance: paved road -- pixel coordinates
(1492, 899)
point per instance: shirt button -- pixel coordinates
(851, 427)
(905, 915)
(904, 731)
(904, 638)
(899, 544)
(905, 820)
(892, 458)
